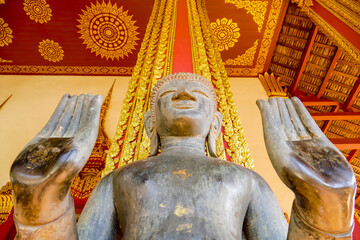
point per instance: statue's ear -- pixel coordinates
(150, 129)
(214, 132)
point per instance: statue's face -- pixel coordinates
(183, 108)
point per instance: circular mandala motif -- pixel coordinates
(108, 30)
(38, 10)
(226, 33)
(51, 50)
(5, 33)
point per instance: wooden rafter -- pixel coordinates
(354, 93)
(336, 116)
(352, 155)
(346, 143)
(305, 57)
(328, 122)
(329, 72)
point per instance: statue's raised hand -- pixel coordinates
(310, 165)
(42, 173)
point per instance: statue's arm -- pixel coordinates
(98, 218)
(42, 173)
(313, 168)
(264, 218)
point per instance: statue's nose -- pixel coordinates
(183, 95)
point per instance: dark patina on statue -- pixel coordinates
(182, 193)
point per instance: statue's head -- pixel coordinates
(183, 105)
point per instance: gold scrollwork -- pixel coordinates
(303, 4)
(245, 59)
(208, 63)
(6, 202)
(256, 8)
(108, 30)
(226, 33)
(346, 11)
(38, 10)
(51, 50)
(5, 33)
(154, 62)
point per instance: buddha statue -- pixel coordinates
(182, 193)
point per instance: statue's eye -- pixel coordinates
(201, 93)
(167, 93)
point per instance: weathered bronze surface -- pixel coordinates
(181, 193)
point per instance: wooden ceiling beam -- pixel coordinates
(328, 122)
(329, 72)
(305, 57)
(353, 94)
(352, 155)
(346, 143)
(336, 116)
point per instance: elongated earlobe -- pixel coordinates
(150, 129)
(214, 132)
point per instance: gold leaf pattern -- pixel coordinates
(38, 10)
(51, 50)
(256, 8)
(108, 30)
(5, 33)
(226, 33)
(245, 59)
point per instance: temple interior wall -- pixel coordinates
(35, 98)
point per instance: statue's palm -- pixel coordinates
(306, 161)
(42, 173)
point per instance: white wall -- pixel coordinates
(35, 98)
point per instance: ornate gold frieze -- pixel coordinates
(256, 8)
(303, 4)
(265, 43)
(154, 61)
(226, 33)
(51, 50)
(246, 59)
(6, 202)
(89, 70)
(5, 33)
(108, 30)
(347, 11)
(38, 10)
(208, 63)
(340, 41)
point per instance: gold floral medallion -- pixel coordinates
(38, 10)
(5, 33)
(51, 50)
(108, 30)
(226, 33)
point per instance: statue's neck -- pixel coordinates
(193, 145)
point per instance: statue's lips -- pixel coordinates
(185, 104)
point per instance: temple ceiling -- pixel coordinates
(104, 37)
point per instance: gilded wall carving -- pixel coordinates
(51, 50)
(38, 10)
(5, 33)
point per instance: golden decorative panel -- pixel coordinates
(5, 33)
(6, 202)
(51, 50)
(226, 33)
(38, 10)
(207, 61)
(256, 8)
(108, 30)
(245, 59)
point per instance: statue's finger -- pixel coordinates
(84, 110)
(286, 121)
(298, 125)
(54, 120)
(65, 118)
(271, 130)
(75, 120)
(85, 139)
(306, 118)
(276, 113)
